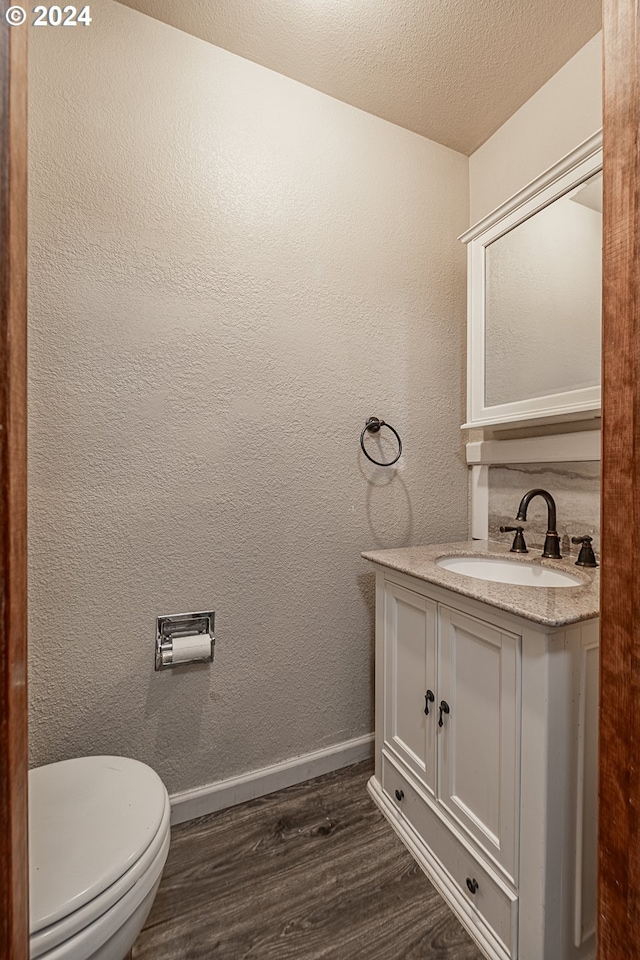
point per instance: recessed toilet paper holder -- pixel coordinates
(191, 626)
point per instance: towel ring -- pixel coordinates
(373, 425)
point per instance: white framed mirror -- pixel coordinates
(535, 298)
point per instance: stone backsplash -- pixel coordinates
(574, 486)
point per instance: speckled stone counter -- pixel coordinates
(549, 606)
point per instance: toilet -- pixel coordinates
(98, 842)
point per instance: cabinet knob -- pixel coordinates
(472, 885)
(399, 795)
(428, 698)
(444, 708)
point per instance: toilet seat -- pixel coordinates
(99, 836)
(111, 935)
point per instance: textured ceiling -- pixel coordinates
(451, 70)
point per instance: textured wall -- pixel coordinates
(229, 272)
(563, 113)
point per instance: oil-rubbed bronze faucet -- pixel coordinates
(552, 540)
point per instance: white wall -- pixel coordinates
(229, 272)
(562, 114)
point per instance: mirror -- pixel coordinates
(543, 309)
(535, 299)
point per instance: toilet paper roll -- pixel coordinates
(196, 647)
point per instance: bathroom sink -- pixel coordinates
(509, 571)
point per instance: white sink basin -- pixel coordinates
(509, 571)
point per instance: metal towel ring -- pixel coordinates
(373, 426)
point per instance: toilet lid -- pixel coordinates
(90, 820)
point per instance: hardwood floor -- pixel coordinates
(312, 871)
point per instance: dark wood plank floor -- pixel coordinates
(312, 871)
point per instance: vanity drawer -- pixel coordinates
(490, 898)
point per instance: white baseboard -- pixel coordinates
(227, 793)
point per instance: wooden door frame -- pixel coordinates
(619, 776)
(14, 880)
(619, 824)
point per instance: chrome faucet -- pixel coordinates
(552, 540)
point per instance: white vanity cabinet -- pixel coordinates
(478, 743)
(486, 763)
(410, 666)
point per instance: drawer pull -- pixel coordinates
(399, 795)
(472, 885)
(444, 708)
(428, 698)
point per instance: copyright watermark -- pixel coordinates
(15, 16)
(53, 16)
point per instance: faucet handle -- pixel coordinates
(519, 546)
(586, 557)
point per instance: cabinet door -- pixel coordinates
(479, 740)
(410, 666)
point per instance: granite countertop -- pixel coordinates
(549, 606)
